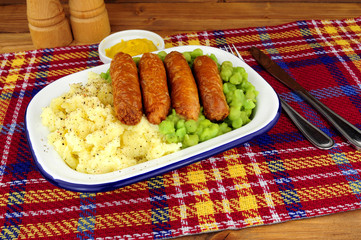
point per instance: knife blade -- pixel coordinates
(349, 131)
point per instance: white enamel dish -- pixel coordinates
(55, 170)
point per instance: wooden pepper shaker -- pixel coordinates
(89, 20)
(47, 24)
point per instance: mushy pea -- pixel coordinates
(89, 137)
(132, 47)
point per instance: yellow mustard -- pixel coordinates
(132, 47)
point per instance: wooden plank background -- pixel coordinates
(174, 16)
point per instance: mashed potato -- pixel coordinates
(88, 136)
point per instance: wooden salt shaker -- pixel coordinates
(47, 24)
(89, 20)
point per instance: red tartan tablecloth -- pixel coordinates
(276, 177)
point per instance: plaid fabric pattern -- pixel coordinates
(276, 177)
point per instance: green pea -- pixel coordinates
(214, 58)
(250, 95)
(187, 56)
(196, 53)
(227, 64)
(228, 87)
(245, 84)
(235, 97)
(229, 96)
(238, 95)
(223, 128)
(234, 113)
(191, 126)
(236, 104)
(162, 55)
(171, 138)
(201, 117)
(180, 133)
(245, 75)
(237, 123)
(174, 117)
(244, 117)
(209, 132)
(205, 135)
(136, 60)
(236, 78)
(240, 70)
(103, 75)
(239, 86)
(249, 104)
(248, 112)
(199, 130)
(214, 128)
(190, 140)
(180, 123)
(226, 74)
(166, 127)
(250, 87)
(205, 123)
(106, 76)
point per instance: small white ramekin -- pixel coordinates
(127, 35)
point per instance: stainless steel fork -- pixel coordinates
(317, 137)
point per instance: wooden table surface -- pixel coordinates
(176, 16)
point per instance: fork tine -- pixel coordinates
(230, 49)
(234, 52)
(225, 48)
(235, 49)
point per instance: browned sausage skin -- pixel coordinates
(126, 89)
(184, 92)
(153, 80)
(209, 83)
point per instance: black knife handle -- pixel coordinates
(349, 131)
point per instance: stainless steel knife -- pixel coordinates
(349, 131)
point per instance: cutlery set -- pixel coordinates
(316, 136)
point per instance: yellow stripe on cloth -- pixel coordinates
(69, 55)
(9, 82)
(204, 206)
(325, 191)
(116, 220)
(353, 39)
(59, 72)
(107, 221)
(341, 36)
(49, 195)
(247, 202)
(48, 229)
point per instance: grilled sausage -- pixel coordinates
(153, 80)
(126, 89)
(184, 92)
(210, 87)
